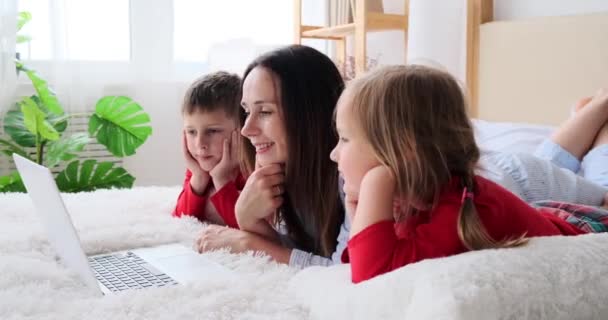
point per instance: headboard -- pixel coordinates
(533, 70)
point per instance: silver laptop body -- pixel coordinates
(114, 272)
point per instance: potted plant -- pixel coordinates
(35, 128)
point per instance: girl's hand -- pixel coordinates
(200, 178)
(350, 205)
(261, 196)
(228, 168)
(376, 197)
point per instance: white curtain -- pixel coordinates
(8, 22)
(149, 50)
(437, 35)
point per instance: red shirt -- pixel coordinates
(379, 248)
(224, 199)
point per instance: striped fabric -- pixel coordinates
(587, 218)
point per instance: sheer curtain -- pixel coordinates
(149, 50)
(8, 22)
(436, 35)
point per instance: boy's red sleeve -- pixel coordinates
(225, 199)
(188, 202)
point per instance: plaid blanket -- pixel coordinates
(587, 218)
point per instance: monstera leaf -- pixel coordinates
(35, 120)
(47, 97)
(65, 149)
(14, 124)
(9, 148)
(120, 124)
(22, 19)
(11, 183)
(91, 175)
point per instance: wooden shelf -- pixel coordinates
(368, 18)
(340, 31)
(375, 22)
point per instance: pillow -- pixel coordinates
(510, 137)
(549, 278)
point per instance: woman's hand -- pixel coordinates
(215, 237)
(200, 178)
(261, 196)
(228, 167)
(376, 199)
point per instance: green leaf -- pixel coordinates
(65, 149)
(20, 66)
(23, 38)
(14, 124)
(47, 96)
(22, 18)
(120, 124)
(91, 175)
(10, 148)
(35, 120)
(11, 183)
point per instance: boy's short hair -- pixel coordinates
(214, 91)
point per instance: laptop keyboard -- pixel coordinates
(127, 271)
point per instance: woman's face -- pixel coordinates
(264, 125)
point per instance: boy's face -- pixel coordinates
(205, 135)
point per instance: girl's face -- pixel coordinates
(264, 126)
(353, 153)
(205, 135)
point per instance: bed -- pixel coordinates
(551, 278)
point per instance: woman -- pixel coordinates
(290, 207)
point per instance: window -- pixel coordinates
(202, 26)
(92, 30)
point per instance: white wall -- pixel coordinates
(517, 9)
(437, 28)
(439, 37)
(159, 161)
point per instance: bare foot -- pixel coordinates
(581, 103)
(602, 136)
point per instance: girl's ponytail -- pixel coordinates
(471, 230)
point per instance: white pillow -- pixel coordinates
(550, 278)
(510, 137)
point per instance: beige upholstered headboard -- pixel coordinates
(534, 70)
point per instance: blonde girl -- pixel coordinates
(407, 154)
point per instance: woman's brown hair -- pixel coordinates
(310, 85)
(415, 120)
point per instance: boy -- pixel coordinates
(210, 114)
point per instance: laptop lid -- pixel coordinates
(43, 191)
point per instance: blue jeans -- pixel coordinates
(594, 166)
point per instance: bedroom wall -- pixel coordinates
(159, 161)
(437, 28)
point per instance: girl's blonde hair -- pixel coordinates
(415, 119)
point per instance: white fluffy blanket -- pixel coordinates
(552, 278)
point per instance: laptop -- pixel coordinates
(160, 266)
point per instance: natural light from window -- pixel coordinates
(200, 26)
(77, 30)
